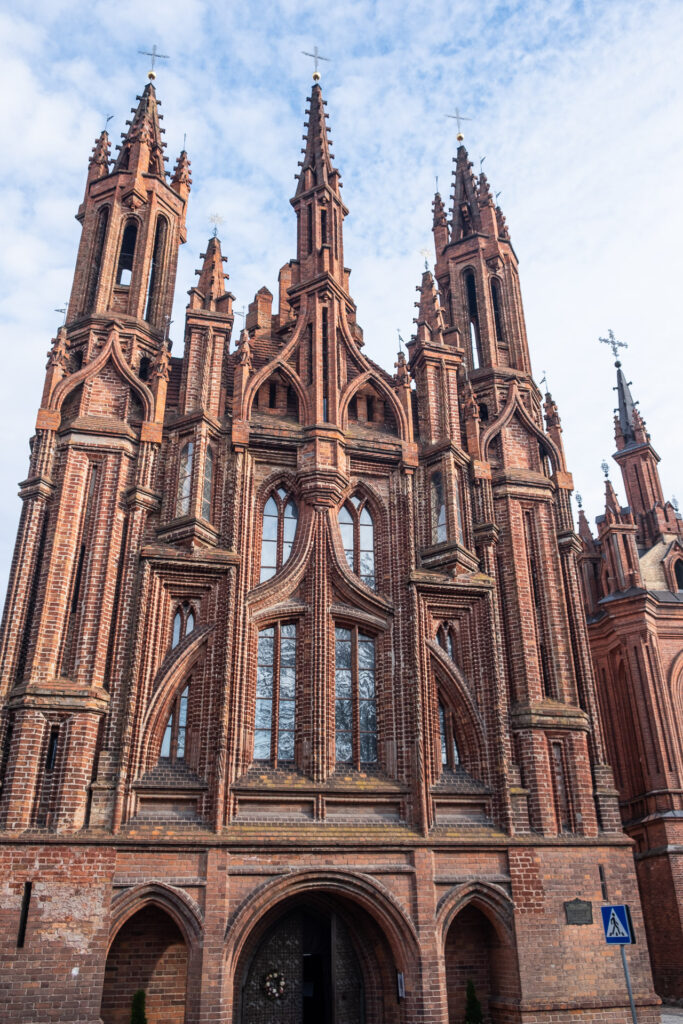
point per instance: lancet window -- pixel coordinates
(275, 715)
(174, 742)
(355, 699)
(183, 623)
(207, 486)
(445, 639)
(438, 508)
(473, 316)
(358, 537)
(280, 518)
(156, 272)
(185, 479)
(450, 755)
(497, 310)
(124, 270)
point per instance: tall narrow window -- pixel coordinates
(497, 310)
(96, 259)
(207, 486)
(678, 574)
(309, 230)
(185, 479)
(438, 509)
(309, 351)
(444, 638)
(323, 227)
(358, 539)
(52, 744)
(473, 314)
(280, 518)
(535, 582)
(563, 811)
(355, 705)
(183, 623)
(450, 756)
(154, 290)
(124, 271)
(174, 743)
(325, 362)
(275, 716)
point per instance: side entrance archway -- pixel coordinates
(483, 954)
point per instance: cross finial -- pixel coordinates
(107, 122)
(155, 55)
(544, 379)
(459, 118)
(579, 500)
(425, 255)
(216, 220)
(317, 57)
(400, 339)
(63, 309)
(613, 344)
(605, 468)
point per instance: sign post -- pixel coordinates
(618, 928)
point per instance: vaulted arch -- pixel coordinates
(515, 406)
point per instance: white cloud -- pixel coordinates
(577, 108)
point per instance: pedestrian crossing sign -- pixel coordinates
(617, 924)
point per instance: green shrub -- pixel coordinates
(137, 1009)
(473, 1014)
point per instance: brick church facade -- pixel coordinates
(632, 575)
(299, 721)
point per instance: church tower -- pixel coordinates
(298, 714)
(632, 575)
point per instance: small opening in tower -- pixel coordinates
(124, 272)
(473, 313)
(371, 408)
(678, 573)
(309, 229)
(77, 361)
(272, 395)
(497, 310)
(323, 227)
(483, 412)
(143, 371)
(51, 755)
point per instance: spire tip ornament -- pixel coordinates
(317, 57)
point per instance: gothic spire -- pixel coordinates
(316, 166)
(211, 282)
(142, 150)
(439, 224)
(181, 182)
(429, 319)
(627, 413)
(465, 217)
(98, 167)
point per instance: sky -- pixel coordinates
(576, 107)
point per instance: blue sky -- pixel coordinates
(577, 108)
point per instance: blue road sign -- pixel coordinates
(616, 922)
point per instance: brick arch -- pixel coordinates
(447, 674)
(514, 405)
(376, 380)
(170, 678)
(111, 351)
(293, 569)
(184, 911)
(381, 526)
(261, 376)
(369, 894)
(493, 902)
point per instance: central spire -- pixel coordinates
(316, 166)
(142, 150)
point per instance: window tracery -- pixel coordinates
(275, 714)
(280, 519)
(358, 538)
(183, 623)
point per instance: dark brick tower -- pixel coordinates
(298, 711)
(633, 593)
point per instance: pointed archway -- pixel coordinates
(483, 953)
(149, 953)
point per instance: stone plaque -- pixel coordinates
(579, 911)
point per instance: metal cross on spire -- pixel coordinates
(613, 344)
(217, 222)
(155, 55)
(317, 57)
(459, 118)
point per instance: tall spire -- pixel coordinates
(465, 217)
(429, 319)
(316, 166)
(439, 224)
(627, 413)
(211, 284)
(98, 166)
(142, 150)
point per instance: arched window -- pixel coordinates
(438, 509)
(450, 756)
(156, 269)
(678, 573)
(174, 743)
(125, 268)
(473, 315)
(185, 479)
(96, 259)
(497, 309)
(275, 715)
(358, 537)
(183, 623)
(143, 369)
(207, 486)
(355, 708)
(280, 518)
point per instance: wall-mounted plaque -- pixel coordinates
(579, 911)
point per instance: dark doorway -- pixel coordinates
(305, 971)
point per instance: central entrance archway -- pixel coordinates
(305, 971)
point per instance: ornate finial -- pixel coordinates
(614, 345)
(217, 221)
(400, 341)
(425, 255)
(155, 55)
(605, 468)
(459, 118)
(436, 181)
(579, 500)
(544, 379)
(674, 502)
(108, 119)
(63, 309)
(317, 57)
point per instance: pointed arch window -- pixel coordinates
(450, 755)
(185, 479)
(174, 742)
(124, 270)
(445, 639)
(358, 538)
(275, 715)
(473, 315)
(678, 574)
(355, 701)
(280, 519)
(497, 304)
(207, 486)
(438, 508)
(152, 314)
(183, 623)
(96, 261)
